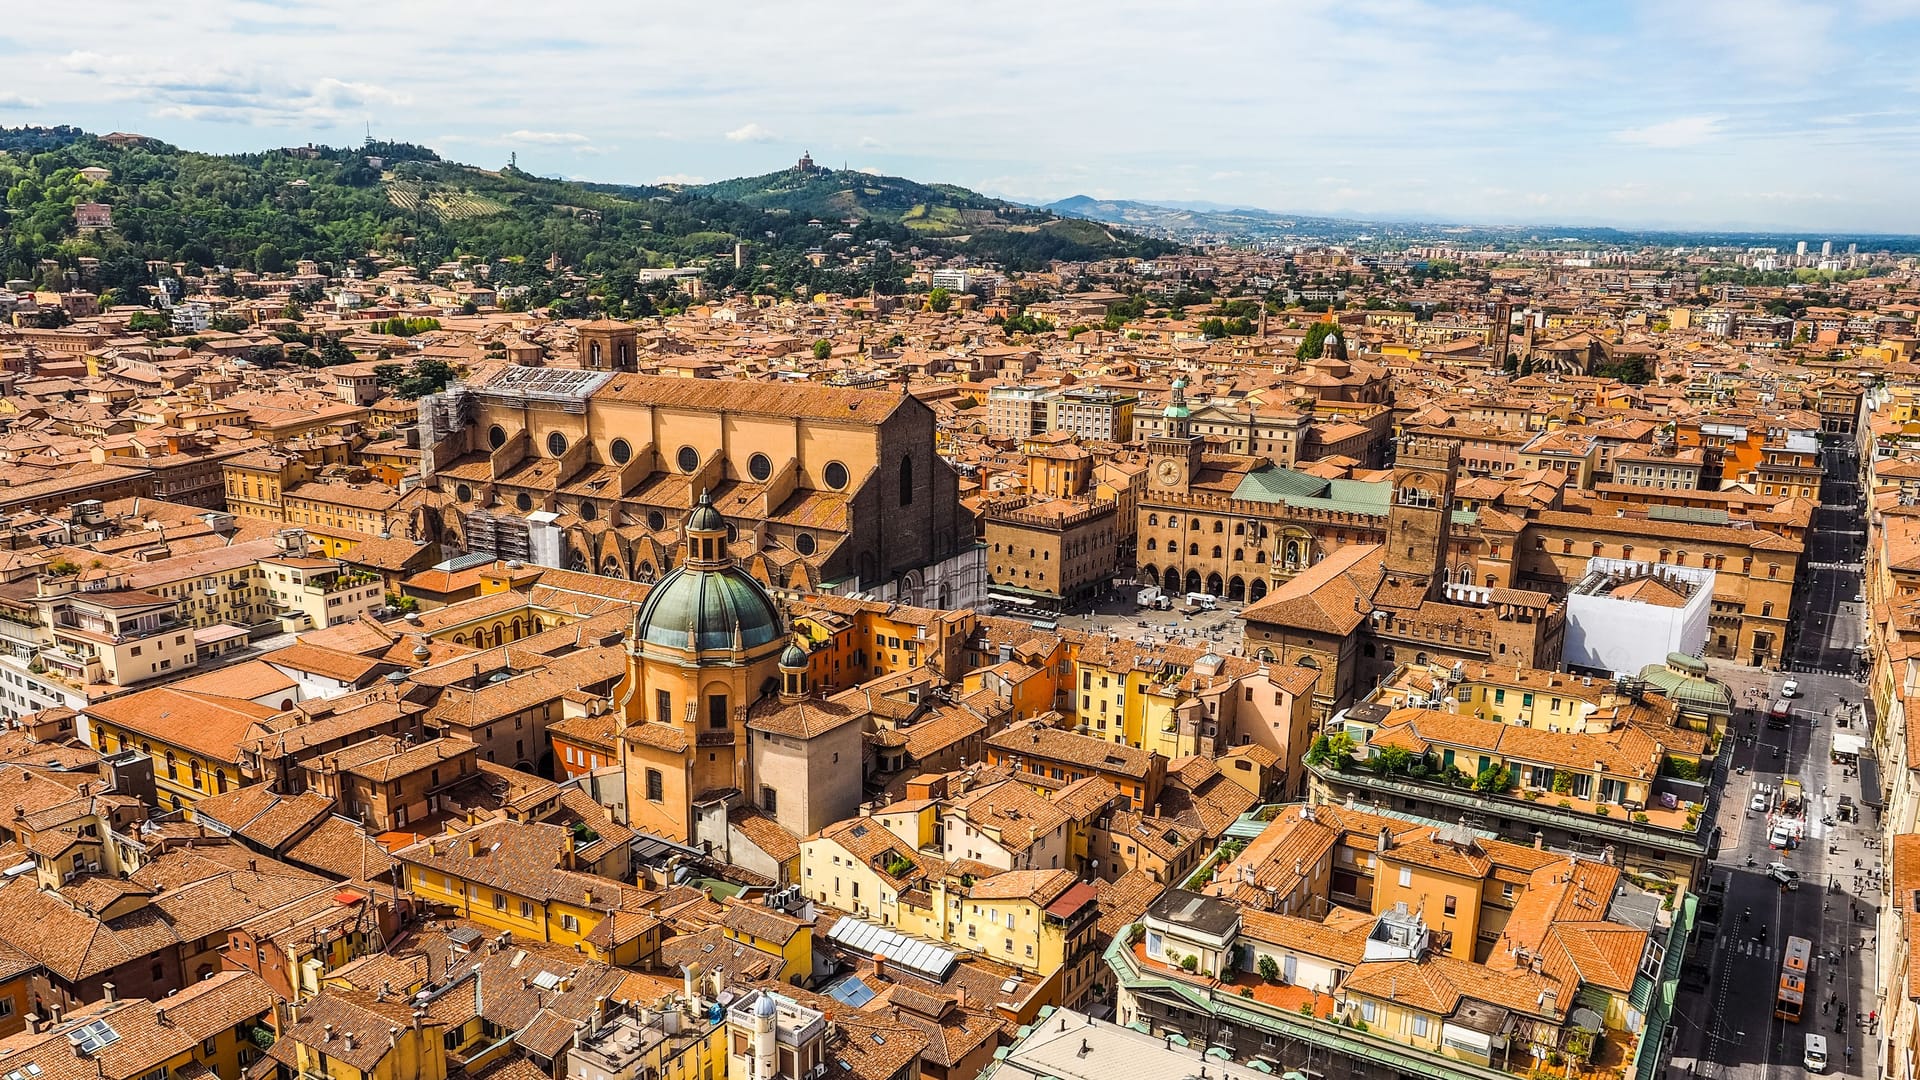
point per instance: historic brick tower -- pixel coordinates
(1423, 475)
(606, 345)
(1176, 452)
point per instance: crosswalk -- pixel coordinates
(1750, 947)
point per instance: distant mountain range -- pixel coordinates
(1191, 222)
(1200, 220)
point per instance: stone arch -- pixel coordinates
(1215, 586)
(1257, 590)
(1173, 579)
(1464, 575)
(1236, 588)
(1193, 581)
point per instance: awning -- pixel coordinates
(1845, 742)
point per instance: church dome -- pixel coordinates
(707, 609)
(707, 602)
(793, 656)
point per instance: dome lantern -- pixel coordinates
(793, 672)
(706, 536)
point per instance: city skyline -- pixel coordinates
(1768, 116)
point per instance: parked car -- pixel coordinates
(1759, 804)
(1790, 688)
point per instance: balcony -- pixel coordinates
(1581, 817)
(714, 738)
(1280, 1010)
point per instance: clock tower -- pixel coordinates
(1175, 451)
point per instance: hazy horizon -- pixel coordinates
(1747, 115)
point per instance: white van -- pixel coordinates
(1203, 601)
(1816, 1056)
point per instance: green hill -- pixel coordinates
(262, 211)
(831, 194)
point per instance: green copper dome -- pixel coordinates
(715, 607)
(793, 656)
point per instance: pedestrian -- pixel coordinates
(1856, 864)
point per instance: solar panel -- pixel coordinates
(851, 990)
(919, 956)
(92, 1037)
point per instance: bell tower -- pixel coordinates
(1417, 518)
(607, 345)
(1176, 451)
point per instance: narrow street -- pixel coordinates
(1728, 1029)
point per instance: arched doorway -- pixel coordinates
(1193, 581)
(1236, 588)
(1256, 591)
(1173, 580)
(1215, 586)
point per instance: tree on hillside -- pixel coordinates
(939, 300)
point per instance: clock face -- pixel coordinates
(1168, 472)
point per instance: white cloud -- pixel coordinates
(1578, 101)
(682, 179)
(216, 94)
(1672, 134)
(556, 137)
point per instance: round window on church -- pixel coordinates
(804, 543)
(835, 474)
(689, 459)
(463, 493)
(759, 467)
(523, 500)
(621, 450)
(588, 512)
(656, 520)
(496, 436)
(556, 443)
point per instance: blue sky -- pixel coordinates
(1691, 113)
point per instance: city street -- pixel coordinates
(1728, 1028)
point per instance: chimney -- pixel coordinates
(326, 1033)
(419, 1018)
(160, 1017)
(106, 991)
(880, 965)
(347, 1040)
(393, 1037)
(1385, 839)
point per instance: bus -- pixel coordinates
(1792, 997)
